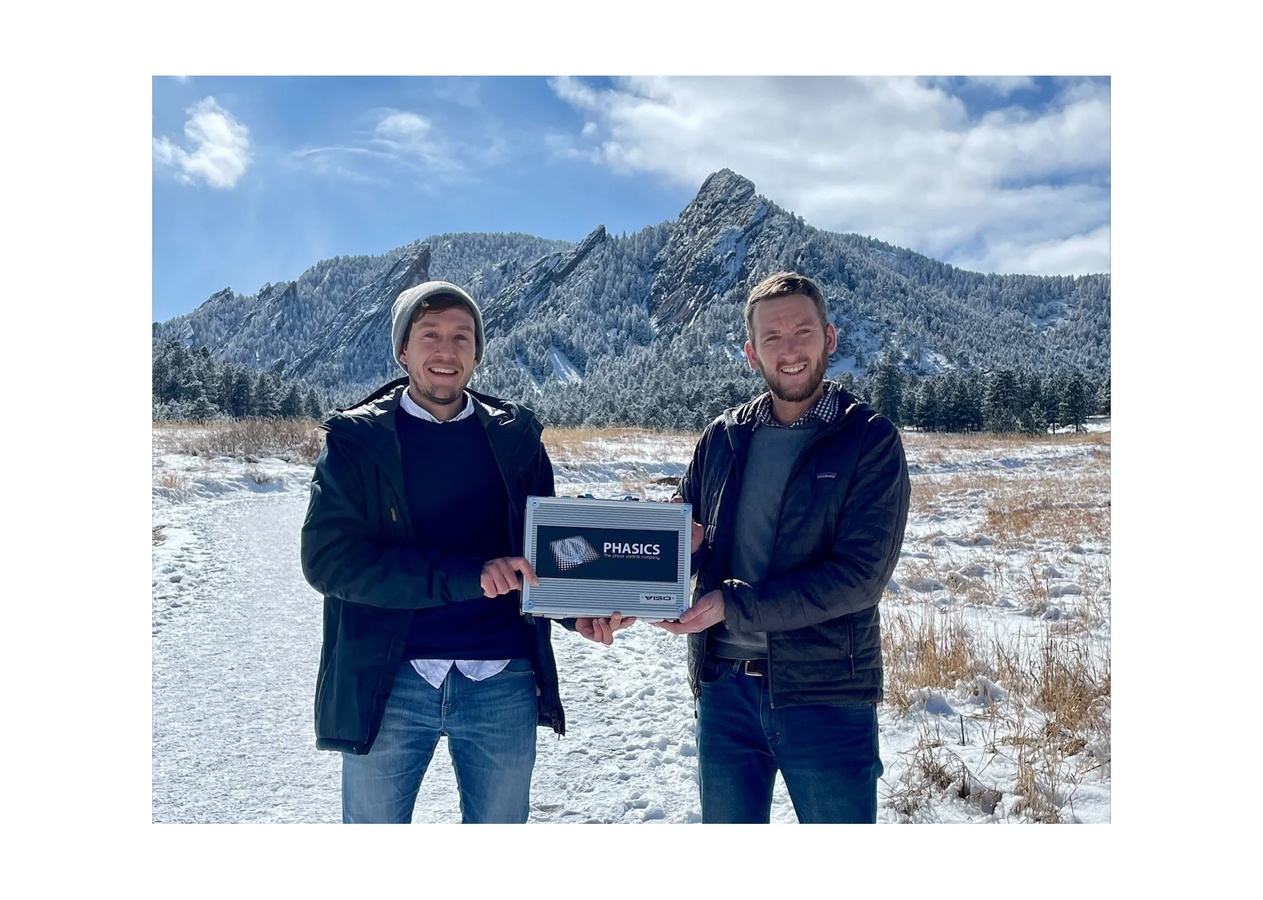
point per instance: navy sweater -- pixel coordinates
(458, 502)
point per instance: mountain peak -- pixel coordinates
(727, 183)
(709, 252)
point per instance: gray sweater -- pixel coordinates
(773, 452)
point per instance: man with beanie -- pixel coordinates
(413, 535)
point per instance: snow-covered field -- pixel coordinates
(1007, 558)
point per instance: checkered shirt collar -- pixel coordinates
(825, 409)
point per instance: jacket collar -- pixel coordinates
(739, 421)
(379, 406)
(371, 421)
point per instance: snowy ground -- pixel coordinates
(236, 634)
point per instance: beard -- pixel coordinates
(424, 391)
(441, 396)
(796, 394)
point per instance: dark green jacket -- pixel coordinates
(838, 536)
(359, 551)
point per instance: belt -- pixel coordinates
(755, 667)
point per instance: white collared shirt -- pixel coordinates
(411, 406)
(435, 670)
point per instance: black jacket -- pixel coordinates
(359, 551)
(838, 537)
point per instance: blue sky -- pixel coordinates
(257, 178)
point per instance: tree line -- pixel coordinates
(189, 385)
(1001, 400)
(684, 385)
(681, 391)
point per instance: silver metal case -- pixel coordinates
(599, 557)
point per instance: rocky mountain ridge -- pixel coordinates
(669, 297)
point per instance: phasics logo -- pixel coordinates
(625, 550)
(572, 552)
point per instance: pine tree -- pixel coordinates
(1073, 403)
(264, 400)
(1031, 416)
(970, 401)
(1036, 420)
(888, 392)
(239, 394)
(929, 415)
(313, 409)
(203, 410)
(1001, 408)
(161, 370)
(222, 394)
(292, 404)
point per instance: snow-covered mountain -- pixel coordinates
(675, 288)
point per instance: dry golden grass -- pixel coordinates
(246, 439)
(300, 441)
(973, 440)
(258, 476)
(1051, 725)
(176, 482)
(924, 652)
(592, 444)
(1074, 690)
(1042, 512)
(1009, 519)
(1018, 505)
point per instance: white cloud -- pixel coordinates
(343, 162)
(403, 123)
(1077, 254)
(218, 147)
(395, 139)
(411, 139)
(900, 159)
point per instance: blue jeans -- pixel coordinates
(827, 754)
(490, 727)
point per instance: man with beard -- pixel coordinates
(802, 498)
(413, 535)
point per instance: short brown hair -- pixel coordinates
(433, 303)
(783, 284)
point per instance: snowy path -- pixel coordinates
(233, 674)
(235, 648)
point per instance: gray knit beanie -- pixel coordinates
(408, 301)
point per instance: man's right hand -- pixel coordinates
(707, 611)
(500, 575)
(602, 630)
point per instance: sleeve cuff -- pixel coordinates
(733, 604)
(467, 583)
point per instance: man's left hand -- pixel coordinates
(707, 611)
